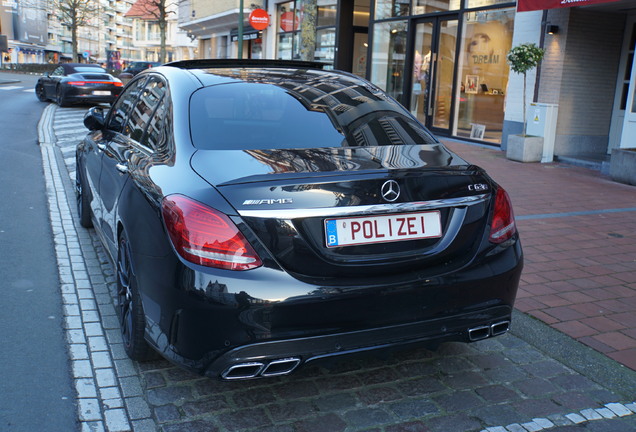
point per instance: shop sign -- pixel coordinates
(531, 5)
(288, 21)
(259, 19)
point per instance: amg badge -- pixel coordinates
(268, 201)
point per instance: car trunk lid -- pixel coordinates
(291, 199)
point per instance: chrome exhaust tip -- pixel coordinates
(280, 367)
(243, 371)
(478, 333)
(499, 328)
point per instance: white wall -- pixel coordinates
(527, 29)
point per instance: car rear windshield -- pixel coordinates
(251, 116)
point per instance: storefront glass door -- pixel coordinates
(433, 70)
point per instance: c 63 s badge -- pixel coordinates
(268, 201)
(478, 187)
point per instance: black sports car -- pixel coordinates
(262, 215)
(78, 83)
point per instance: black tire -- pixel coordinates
(83, 202)
(39, 92)
(60, 97)
(129, 308)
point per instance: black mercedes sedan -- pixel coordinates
(73, 83)
(262, 215)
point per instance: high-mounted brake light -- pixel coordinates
(205, 236)
(503, 225)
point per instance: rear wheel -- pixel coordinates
(131, 316)
(83, 203)
(60, 97)
(40, 93)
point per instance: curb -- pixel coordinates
(109, 392)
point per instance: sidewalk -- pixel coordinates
(578, 231)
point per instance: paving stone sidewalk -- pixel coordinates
(578, 231)
(532, 379)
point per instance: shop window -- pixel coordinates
(290, 15)
(389, 55)
(421, 7)
(483, 74)
(391, 8)
(326, 45)
(481, 3)
(327, 15)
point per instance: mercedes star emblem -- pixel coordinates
(390, 190)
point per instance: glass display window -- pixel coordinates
(483, 74)
(389, 55)
(290, 16)
(392, 8)
(421, 7)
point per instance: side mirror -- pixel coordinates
(94, 119)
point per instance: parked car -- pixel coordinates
(78, 83)
(262, 215)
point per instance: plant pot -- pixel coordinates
(524, 148)
(623, 165)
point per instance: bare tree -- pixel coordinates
(74, 14)
(157, 11)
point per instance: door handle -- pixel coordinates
(101, 147)
(122, 168)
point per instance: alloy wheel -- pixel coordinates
(124, 292)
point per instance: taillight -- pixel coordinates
(83, 83)
(503, 225)
(205, 236)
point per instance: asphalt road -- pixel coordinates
(36, 390)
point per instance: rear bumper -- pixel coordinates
(277, 358)
(85, 94)
(209, 324)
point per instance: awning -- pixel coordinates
(531, 5)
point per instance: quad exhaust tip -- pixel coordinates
(483, 332)
(251, 370)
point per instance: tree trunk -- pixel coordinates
(74, 42)
(163, 28)
(308, 30)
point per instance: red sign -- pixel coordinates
(288, 21)
(531, 5)
(259, 19)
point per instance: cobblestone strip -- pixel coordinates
(609, 411)
(107, 385)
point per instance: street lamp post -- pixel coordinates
(240, 31)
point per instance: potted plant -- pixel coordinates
(522, 59)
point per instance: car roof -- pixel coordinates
(277, 72)
(71, 67)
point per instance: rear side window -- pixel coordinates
(119, 112)
(254, 115)
(248, 116)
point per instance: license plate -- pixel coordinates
(382, 229)
(101, 93)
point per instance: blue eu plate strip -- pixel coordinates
(332, 232)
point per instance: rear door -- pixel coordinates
(128, 123)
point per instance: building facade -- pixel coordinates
(588, 70)
(445, 60)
